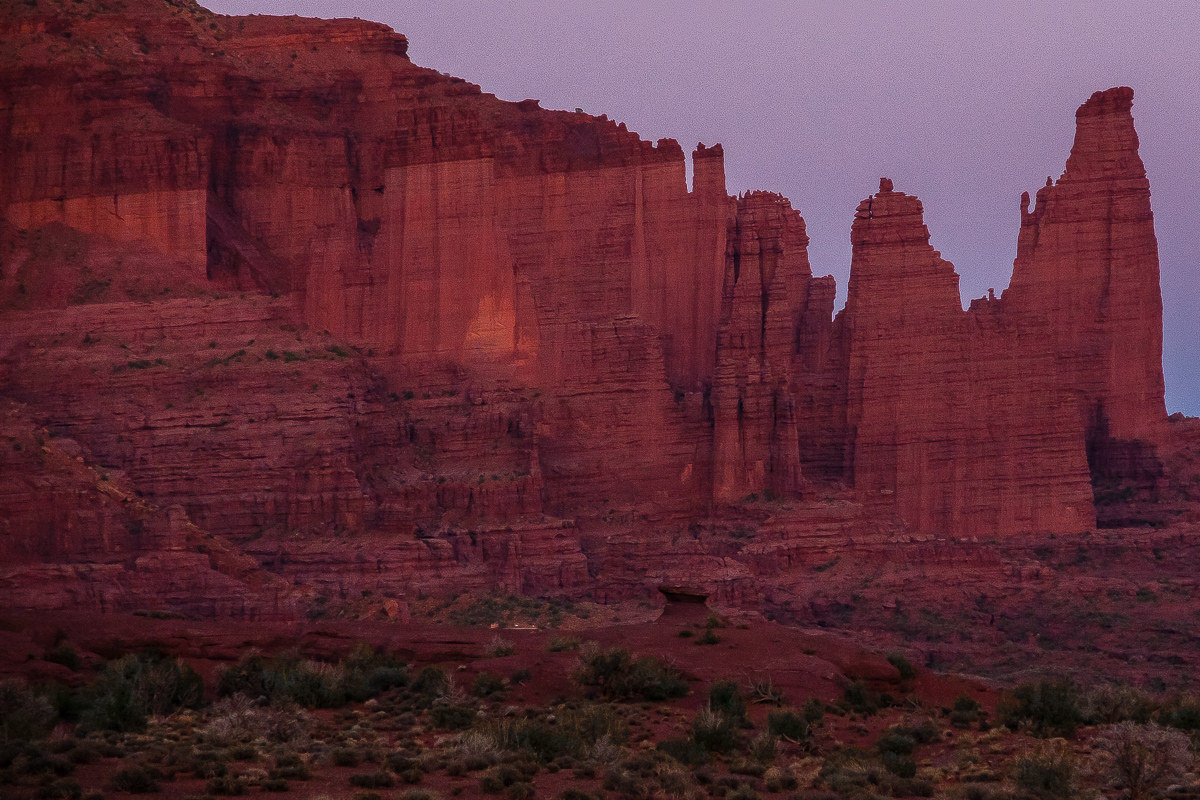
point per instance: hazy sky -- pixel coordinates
(965, 104)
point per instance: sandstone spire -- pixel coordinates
(1085, 283)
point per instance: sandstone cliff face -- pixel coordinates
(297, 288)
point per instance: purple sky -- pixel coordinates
(964, 104)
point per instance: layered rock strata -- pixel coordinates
(290, 284)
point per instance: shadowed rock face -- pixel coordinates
(269, 273)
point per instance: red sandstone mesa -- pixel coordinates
(381, 330)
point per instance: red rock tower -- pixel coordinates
(1085, 284)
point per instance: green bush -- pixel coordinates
(431, 680)
(65, 655)
(1108, 705)
(1046, 708)
(725, 697)
(907, 671)
(114, 707)
(61, 789)
(451, 716)
(23, 714)
(345, 757)
(859, 699)
(487, 685)
(1047, 772)
(966, 711)
(368, 673)
(1183, 713)
(714, 732)
(789, 725)
(135, 686)
(226, 785)
(373, 780)
(283, 678)
(289, 766)
(814, 711)
(134, 779)
(561, 643)
(617, 675)
(686, 751)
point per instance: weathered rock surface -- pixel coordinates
(384, 332)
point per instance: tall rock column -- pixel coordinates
(1085, 284)
(755, 438)
(949, 425)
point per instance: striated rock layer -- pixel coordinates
(387, 333)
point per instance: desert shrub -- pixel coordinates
(617, 675)
(431, 680)
(487, 685)
(859, 699)
(520, 677)
(544, 740)
(907, 671)
(981, 791)
(243, 752)
(1141, 760)
(273, 785)
(23, 714)
(762, 748)
(520, 791)
(289, 766)
(62, 653)
(965, 712)
(1182, 712)
(1045, 708)
(1109, 704)
(778, 780)
(226, 785)
(373, 780)
(814, 711)
(498, 778)
(500, 647)
(419, 794)
(851, 771)
(61, 789)
(475, 750)
(237, 719)
(685, 751)
(451, 716)
(135, 686)
(725, 697)
(573, 734)
(284, 678)
(897, 741)
(714, 732)
(895, 748)
(367, 673)
(709, 637)
(562, 643)
(788, 725)
(1048, 771)
(208, 764)
(345, 757)
(134, 779)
